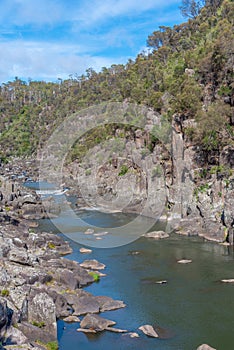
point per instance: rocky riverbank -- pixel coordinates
(38, 285)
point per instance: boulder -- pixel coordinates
(230, 280)
(62, 307)
(149, 331)
(86, 304)
(92, 265)
(71, 319)
(15, 336)
(36, 333)
(96, 323)
(41, 311)
(108, 304)
(66, 278)
(19, 256)
(85, 250)
(205, 347)
(156, 235)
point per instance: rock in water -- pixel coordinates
(95, 322)
(230, 280)
(132, 335)
(108, 304)
(156, 235)
(184, 261)
(205, 347)
(85, 250)
(116, 330)
(89, 231)
(92, 264)
(149, 331)
(71, 319)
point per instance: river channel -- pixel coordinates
(194, 306)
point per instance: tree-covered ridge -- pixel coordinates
(188, 72)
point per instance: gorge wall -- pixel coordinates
(166, 181)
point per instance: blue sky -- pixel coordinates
(51, 39)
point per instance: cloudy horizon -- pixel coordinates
(51, 39)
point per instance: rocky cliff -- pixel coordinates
(171, 179)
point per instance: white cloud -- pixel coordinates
(100, 10)
(23, 12)
(46, 39)
(39, 12)
(47, 61)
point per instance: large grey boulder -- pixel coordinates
(35, 333)
(15, 336)
(149, 331)
(41, 311)
(96, 322)
(19, 256)
(86, 304)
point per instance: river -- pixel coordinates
(193, 306)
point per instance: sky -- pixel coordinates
(54, 39)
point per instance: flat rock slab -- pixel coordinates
(156, 235)
(230, 280)
(86, 304)
(96, 323)
(108, 304)
(86, 330)
(116, 330)
(149, 331)
(184, 261)
(92, 265)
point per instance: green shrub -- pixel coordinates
(5, 293)
(53, 345)
(51, 245)
(38, 324)
(95, 276)
(123, 170)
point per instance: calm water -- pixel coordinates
(193, 305)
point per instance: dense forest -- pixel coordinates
(187, 73)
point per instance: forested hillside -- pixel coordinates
(187, 74)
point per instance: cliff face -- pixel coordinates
(172, 181)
